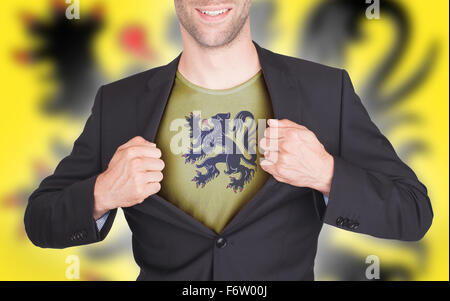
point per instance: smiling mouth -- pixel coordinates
(213, 14)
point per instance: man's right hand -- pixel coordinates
(133, 174)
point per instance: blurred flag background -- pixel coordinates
(51, 67)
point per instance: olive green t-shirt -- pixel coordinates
(208, 139)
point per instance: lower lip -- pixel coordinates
(217, 18)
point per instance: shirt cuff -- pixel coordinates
(325, 199)
(101, 221)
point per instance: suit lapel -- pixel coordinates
(281, 84)
(151, 105)
(284, 94)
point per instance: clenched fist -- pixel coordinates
(294, 155)
(133, 174)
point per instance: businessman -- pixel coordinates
(243, 199)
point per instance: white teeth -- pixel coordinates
(215, 12)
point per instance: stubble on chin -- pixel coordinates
(220, 39)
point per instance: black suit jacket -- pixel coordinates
(274, 237)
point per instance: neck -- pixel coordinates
(221, 67)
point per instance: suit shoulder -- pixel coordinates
(308, 69)
(132, 81)
(121, 92)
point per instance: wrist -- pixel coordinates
(100, 201)
(323, 183)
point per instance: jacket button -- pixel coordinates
(340, 221)
(354, 226)
(221, 242)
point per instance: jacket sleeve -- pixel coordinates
(59, 213)
(372, 190)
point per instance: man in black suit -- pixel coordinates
(325, 161)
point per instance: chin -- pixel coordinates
(213, 39)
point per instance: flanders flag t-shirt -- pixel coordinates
(208, 139)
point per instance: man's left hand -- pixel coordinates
(295, 156)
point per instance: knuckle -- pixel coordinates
(307, 133)
(151, 189)
(310, 136)
(138, 139)
(158, 152)
(161, 164)
(129, 153)
(156, 187)
(300, 134)
(262, 143)
(135, 162)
